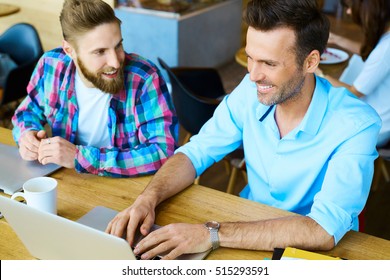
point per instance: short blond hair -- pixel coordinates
(80, 16)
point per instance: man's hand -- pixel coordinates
(174, 240)
(57, 150)
(163, 185)
(140, 214)
(29, 144)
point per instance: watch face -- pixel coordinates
(212, 224)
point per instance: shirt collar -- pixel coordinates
(313, 118)
(262, 112)
(316, 112)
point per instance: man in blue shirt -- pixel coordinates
(309, 147)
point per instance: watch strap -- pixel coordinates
(213, 228)
(214, 238)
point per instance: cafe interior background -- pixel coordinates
(193, 33)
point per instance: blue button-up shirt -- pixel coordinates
(323, 168)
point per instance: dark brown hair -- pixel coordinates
(310, 25)
(373, 16)
(80, 16)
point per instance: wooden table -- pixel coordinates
(8, 9)
(79, 193)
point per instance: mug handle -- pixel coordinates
(18, 194)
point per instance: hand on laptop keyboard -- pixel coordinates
(138, 257)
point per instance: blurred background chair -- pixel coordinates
(196, 93)
(381, 171)
(22, 43)
(237, 166)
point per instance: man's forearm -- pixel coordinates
(174, 176)
(295, 231)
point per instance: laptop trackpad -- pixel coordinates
(99, 217)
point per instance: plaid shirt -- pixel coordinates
(142, 124)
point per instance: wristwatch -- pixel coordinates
(213, 228)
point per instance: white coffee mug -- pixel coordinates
(40, 193)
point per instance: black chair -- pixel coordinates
(381, 166)
(196, 93)
(22, 43)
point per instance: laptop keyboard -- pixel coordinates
(138, 257)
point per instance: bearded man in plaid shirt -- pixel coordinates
(109, 112)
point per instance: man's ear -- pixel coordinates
(312, 61)
(68, 49)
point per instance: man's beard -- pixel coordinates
(111, 86)
(288, 91)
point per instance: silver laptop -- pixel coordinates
(47, 236)
(14, 171)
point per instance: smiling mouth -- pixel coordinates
(264, 88)
(110, 74)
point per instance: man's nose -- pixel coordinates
(113, 60)
(256, 72)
